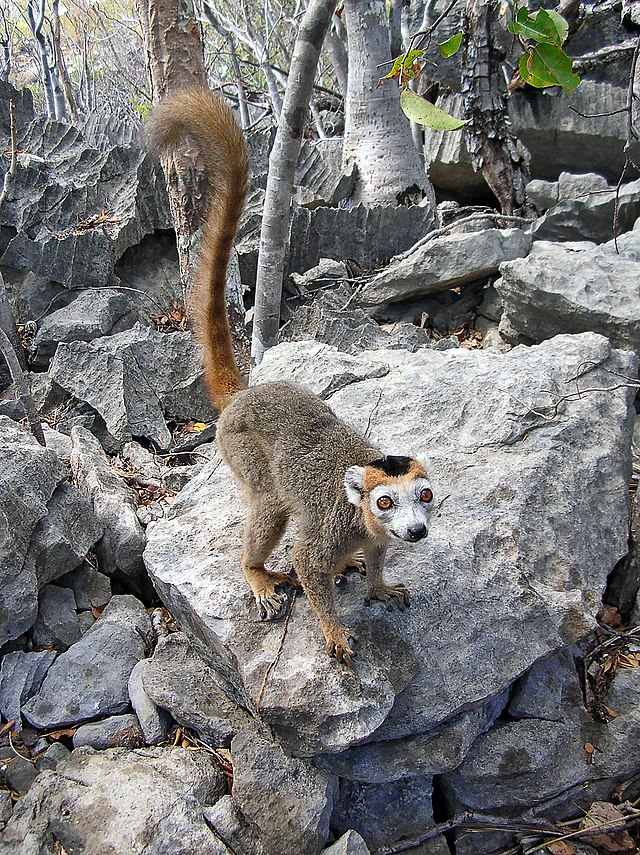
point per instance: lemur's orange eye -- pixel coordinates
(384, 503)
(426, 495)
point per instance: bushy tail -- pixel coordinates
(208, 121)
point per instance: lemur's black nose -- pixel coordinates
(417, 532)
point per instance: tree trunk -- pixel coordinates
(282, 165)
(336, 47)
(377, 133)
(493, 150)
(63, 74)
(35, 12)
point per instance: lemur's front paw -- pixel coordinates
(389, 594)
(338, 644)
(270, 604)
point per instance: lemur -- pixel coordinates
(292, 456)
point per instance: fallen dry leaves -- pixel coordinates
(174, 319)
(609, 818)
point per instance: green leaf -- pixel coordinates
(403, 66)
(451, 46)
(548, 65)
(562, 28)
(425, 113)
(543, 27)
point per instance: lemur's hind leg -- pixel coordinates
(265, 524)
(266, 518)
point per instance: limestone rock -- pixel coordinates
(154, 721)
(552, 132)
(114, 504)
(562, 288)
(349, 844)
(532, 516)
(388, 813)
(543, 194)
(91, 588)
(117, 731)
(590, 216)
(160, 791)
(228, 822)
(366, 235)
(63, 537)
(29, 476)
(136, 380)
(57, 622)
(287, 801)
(179, 681)
(91, 315)
(90, 679)
(525, 755)
(113, 188)
(351, 330)
(21, 674)
(442, 749)
(443, 263)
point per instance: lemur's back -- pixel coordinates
(302, 444)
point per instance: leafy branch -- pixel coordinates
(543, 63)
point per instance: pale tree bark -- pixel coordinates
(65, 82)
(227, 35)
(377, 133)
(36, 16)
(282, 165)
(175, 59)
(336, 47)
(261, 51)
(6, 38)
(493, 149)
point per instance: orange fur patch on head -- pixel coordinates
(416, 470)
(407, 470)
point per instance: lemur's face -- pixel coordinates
(395, 497)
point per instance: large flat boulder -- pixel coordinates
(572, 288)
(530, 483)
(442, 263)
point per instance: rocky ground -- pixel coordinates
(145, 707)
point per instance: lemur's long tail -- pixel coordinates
(208, 121)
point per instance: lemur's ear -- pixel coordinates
(354, 484)
(422, 460)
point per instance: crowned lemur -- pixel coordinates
(291, 455)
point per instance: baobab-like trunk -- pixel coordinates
(282, 165)
(493, 150)
(377, 133)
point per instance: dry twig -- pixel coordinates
(275, 659)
